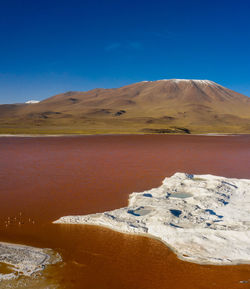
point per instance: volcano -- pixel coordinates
(163, 106)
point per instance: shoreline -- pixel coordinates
(171, 248)
(121, 134)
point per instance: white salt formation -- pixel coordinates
(203, 218)
(25, 260)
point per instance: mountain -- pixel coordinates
(163, 106)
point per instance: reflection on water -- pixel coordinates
(42, 179)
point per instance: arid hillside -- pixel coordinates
(164, 106)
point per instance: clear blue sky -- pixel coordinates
(49, 47)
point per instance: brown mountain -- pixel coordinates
(175, 105)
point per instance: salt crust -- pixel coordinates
(204, 219)
(25, 260)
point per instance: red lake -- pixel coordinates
(44, 178)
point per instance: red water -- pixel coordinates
(42, 179)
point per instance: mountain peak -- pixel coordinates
(175, 80)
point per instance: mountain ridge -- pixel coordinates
(199, 106)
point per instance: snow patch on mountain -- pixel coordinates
(188, 81)
(32, 101)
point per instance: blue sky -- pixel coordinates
(49, 47)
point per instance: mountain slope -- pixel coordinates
(199, 106)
